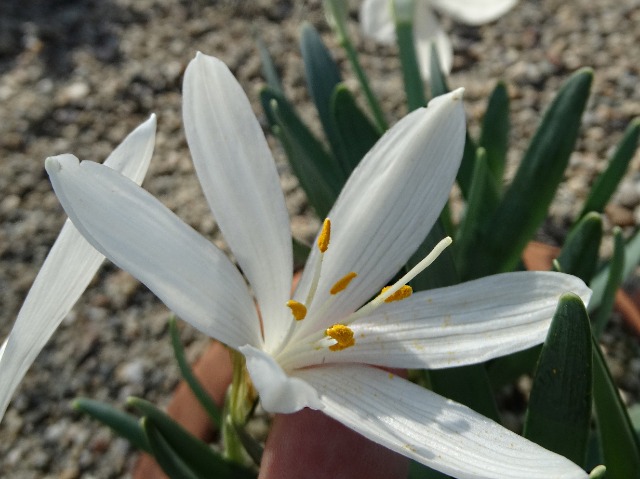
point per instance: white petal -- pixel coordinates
(65, 274)
(140, 235)
(388, 206)
(132, 156)
(426, 30)
(463, 324)
(430, 429)
(240, 181)
(474, 12)
(279, 393)
(376, 20)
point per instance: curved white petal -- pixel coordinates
(426, 30)
(455, 326)
(65, 274)
(376, 20)
(388, 206)
(140, 235)
(474, 12)
(240, 181)
(279, 393)
(430, 429)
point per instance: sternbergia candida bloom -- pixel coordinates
(319, 348)
(376, 21)
(65, 274)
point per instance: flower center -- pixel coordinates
(340, 336)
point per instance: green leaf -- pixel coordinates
(438, 79)
(404, 13)
(525, 203)
(318, 173)
(559, 413)
(165, 456)
(269, 70)
(495, 132)
(194, 453)
(323, 76)
(300, 253)
(631, 260)
(198, 390)
(355, 132)
(616, 267)
(620, 444)
(420, 471)
(123, 424)
(483, 199)
(608, 181)
(579, 255)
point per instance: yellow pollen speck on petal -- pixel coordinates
(298, 310)
(342, 283)
(343, 335)
(325, 236)
(402, 293)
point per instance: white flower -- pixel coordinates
(376, 21)
(322, 359)
(65, 274)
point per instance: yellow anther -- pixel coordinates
(404, 292)
(325, 236)
(343, 335)
(298, 310)
(342, 283)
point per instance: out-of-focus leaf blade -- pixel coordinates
(616, 267)
(495, 131)
(419, 471)
(355, 132)
(608, 181)
(403, 13)
(194, 453)
(579, 255)
(559, 412)
(165, 456)
(198, 390)
(438, 80)
(620, 444)
(269, 70)
(317, 172)
(631, 260)
(323, 76)
(526, 201)
(123, 424)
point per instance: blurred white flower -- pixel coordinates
(319, 349)
(376, 21)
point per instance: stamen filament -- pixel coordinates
(415, 271)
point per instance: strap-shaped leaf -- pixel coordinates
(620, 444)
(317, 171)
(616, 269)
(166, 457)
(438, 80)
(323, 76)
(579, 255)
(123, 424)
(269, 70)
(631, 260)
(559, 412)
(198, 390)
(608, 181)
(482, 201)
(495, 131)
(337, 19)
(525, 203)
(355, 132)
(191, 451)
(403, 11)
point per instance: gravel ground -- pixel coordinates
(76, 76)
